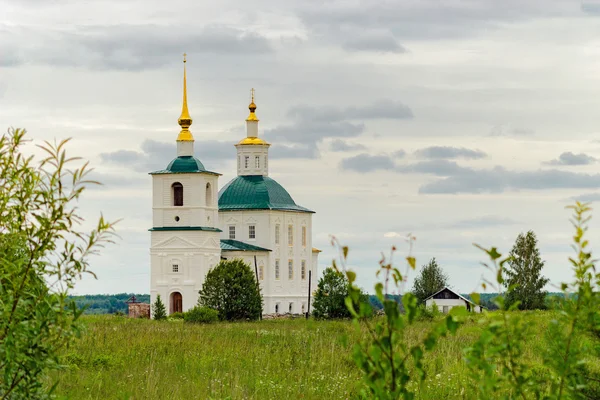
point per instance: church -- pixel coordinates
(252, 218)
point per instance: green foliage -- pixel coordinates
(523, 272)
(177, 315)
(330, 297)
(389, 363)
(159, 311)
(42, 254)
(232, 290)
(430, 280)
(107, 303)
(496, 360)
(201, 315)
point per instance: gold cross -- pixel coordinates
(184, 55)
(252, 93)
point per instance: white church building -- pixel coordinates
(252, 218)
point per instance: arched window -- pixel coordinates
(291, 307)
(208, 195)
(177, 189)
(277, 308)
(176, 302)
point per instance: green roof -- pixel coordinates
(184, 165)
(236, 245)
(186, 228)
(256, 192)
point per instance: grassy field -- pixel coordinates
(120, 358)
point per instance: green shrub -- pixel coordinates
(176, 315)
(201, 315)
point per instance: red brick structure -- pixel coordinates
(137, 309)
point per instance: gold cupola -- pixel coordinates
(252, 125)
(185, 120)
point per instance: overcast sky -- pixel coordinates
(457, 121)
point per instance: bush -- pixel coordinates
(176, 315)
(330, 297)
(232, 290)
(201, 315)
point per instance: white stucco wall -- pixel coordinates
(282, 291)
(440, 303)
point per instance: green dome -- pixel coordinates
(256, 192)
(183, 164)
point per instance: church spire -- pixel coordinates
(185, 120)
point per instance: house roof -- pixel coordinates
(184, 165)
(256, 192)
(236, 245)
(447, 288)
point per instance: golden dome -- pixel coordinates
(253, 141)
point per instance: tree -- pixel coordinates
(159, 312)
(232, 290)
(431, 279)
(330, 296)
(42, 254)
(523, 274)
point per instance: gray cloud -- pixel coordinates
(568, 158)
(373, 42)
(157, 155)
(434, 167)
(587, 197)
(448, 152)
(485, 221)
(590, 7)
(367, 163)
(125, 47)
(426, 20)
(508, 130)
(339, 145)
(498, 179)
(388, 109)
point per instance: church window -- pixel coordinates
(277, 269)
(303, 308)
(208, 195)
(303, 270)
(239, 161)
(251, 231)
(177, 194)
(246, 161)
(175, 267)
(261, 272)
(257, 162)
(290, 235)
(277, 234)
(277, 308)
(304, 236)
(290, 269)
(231, 231)
(291, 307)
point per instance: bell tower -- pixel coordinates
(185, 242)
(252, 152)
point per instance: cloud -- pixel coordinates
(296, 151)
(339, 145)
(126, 47)
(448, 152)
(568, 158)
(435, 167)
(382, 109)
(485, 221)
(157, 155)
(587, 197)
(509, 130)
(377, 42)
(499, 179)
(367, 163)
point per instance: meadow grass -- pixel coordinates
(121, 358)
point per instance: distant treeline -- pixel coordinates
(111, 303)
(107, 303)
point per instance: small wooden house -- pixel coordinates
(446, 298)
